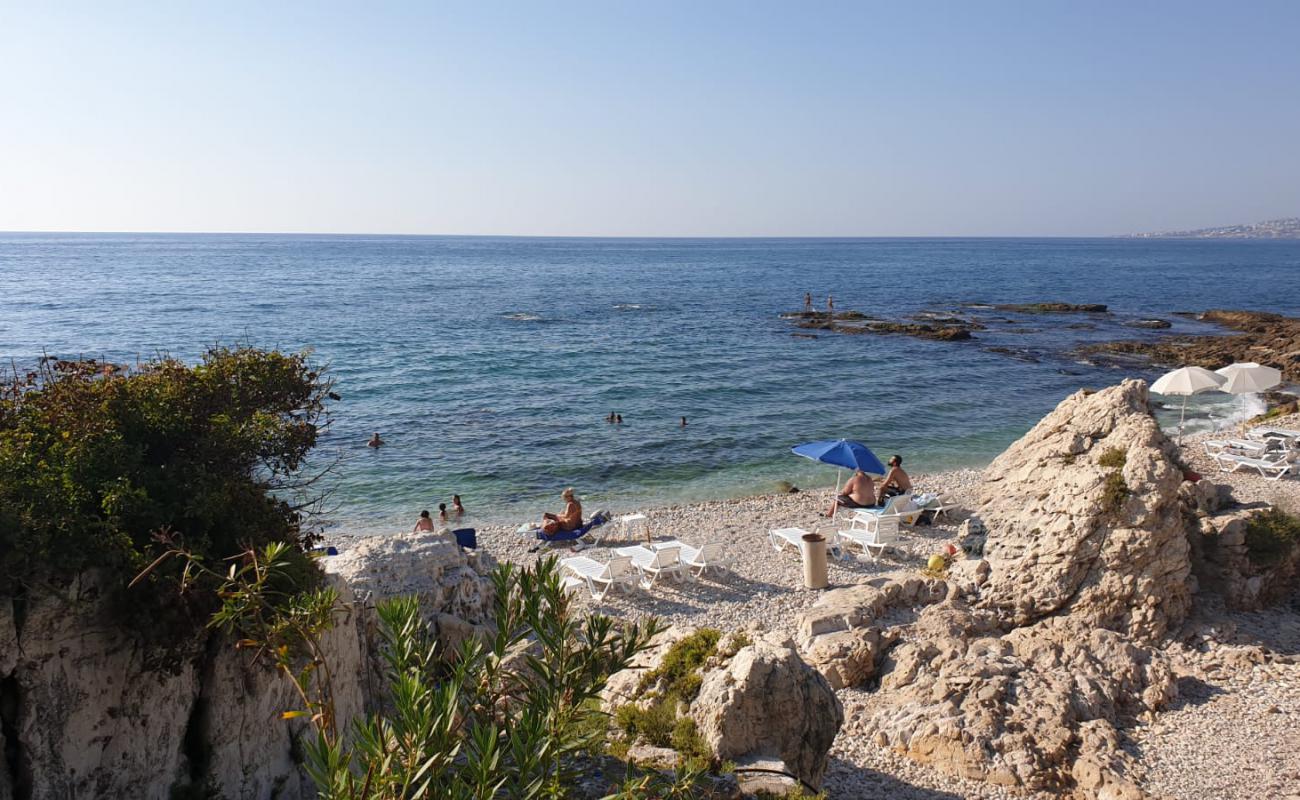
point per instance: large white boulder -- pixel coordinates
(766, 702)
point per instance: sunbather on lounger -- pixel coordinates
(859, 492)
(895, 482)
(570, 519)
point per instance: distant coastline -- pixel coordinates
(1286, 228)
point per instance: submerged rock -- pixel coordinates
(1150, 324)
(1053, 308)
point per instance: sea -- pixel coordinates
(489, 365)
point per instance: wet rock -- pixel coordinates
(1270, 339)
(1053, 308)
(1150, 324)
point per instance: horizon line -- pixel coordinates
(1147, 235)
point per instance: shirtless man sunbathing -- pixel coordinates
(895, 481)
(859, 492)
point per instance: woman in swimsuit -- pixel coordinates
(424, 523)
(569, 520)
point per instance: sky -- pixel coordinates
(649, 119)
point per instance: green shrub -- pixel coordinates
(679, 670)
(1114, 492)
(674, 683)
(1271, 536)
(98, 462)
(472, 723)
(1114, 458)
(739, 640)
(687, 741)
(653, 723)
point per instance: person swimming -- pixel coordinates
(683, 422)
(859, 492)
(457, 510)
(375, 441)
(442, 512)
(570, 519)
(618, 418)
(424, 523)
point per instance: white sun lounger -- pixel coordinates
(711, 555)
(786, 537)
(1271, 468)
(651, 563)
(1274, 433)
(873, 536)
(600, 578)
(899, 506)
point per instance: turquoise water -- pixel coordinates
(489, 364)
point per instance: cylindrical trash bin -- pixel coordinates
(814, 560)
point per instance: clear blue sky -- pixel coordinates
(649, 118)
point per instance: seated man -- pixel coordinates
(567, 521)
(895, 481)
(857, 493)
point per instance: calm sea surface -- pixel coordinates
(489, 364)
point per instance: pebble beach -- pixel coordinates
(1230, 704)
(1225, 707)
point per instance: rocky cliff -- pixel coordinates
(1020, 669)
(84, 716)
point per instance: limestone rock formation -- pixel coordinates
(767, 702)
(756, 703)
(847, 630)
(1084, 518)
(94, 717)
(1223, 564)
(1019, 669)
(453, 588)
(1269, 339)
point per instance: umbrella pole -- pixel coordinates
(1182, 416)
(839, 475)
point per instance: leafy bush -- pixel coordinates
(675, 683)
(679, 670)
(505, 716)
(1114, 492)
(98, 461)
(1113, 458)
(1271, 536)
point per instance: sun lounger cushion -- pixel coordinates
(597, 519)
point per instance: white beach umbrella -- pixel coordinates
(1187, 381)
(1248, 377)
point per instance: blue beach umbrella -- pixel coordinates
(842, 453)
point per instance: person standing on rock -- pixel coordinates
(807, 304)
(830, 311)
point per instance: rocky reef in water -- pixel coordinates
(1270, 339)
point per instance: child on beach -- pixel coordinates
(442, 512)
(424, 523)
(457, 509)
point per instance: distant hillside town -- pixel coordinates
(1288, 228)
